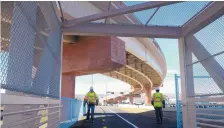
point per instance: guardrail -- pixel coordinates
(157, 45)
(26, 111)
(208, 115)
(71, 112)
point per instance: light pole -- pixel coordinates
(92, 80)
(106, 95)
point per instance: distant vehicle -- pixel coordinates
(125, 102)
(138, 103)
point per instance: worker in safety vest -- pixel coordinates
(158, 102)
(91, 99)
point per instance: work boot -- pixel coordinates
(161, 122)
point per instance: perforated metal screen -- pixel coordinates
(30, 55)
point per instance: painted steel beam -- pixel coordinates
(207, 16)
(127, 18)
(121, 11)
(95, 29)
(150, 18)
(48, 9)
(187, 107)
(214, 69)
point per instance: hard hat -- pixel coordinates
(91, 88)
(157, 89)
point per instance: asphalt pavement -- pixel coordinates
(113, 117)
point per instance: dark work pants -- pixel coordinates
(159, 114)
(92, 107)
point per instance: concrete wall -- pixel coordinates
(68, 86)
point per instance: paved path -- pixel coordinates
(113, 117)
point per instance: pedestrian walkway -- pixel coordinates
(113, 117)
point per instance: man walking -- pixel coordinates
(91, 99)
(158, 102)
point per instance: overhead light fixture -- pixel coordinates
(75, 39)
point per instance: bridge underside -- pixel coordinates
(107, 55)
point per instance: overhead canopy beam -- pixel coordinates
(121, 11)
(150, 18)
(207, 16)
(127, 18)
(94, 29)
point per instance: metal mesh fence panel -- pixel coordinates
(207, 71)
(210, 38)
(30, 55)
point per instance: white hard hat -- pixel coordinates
(91, 88)
(157, 89)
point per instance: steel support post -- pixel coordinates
(187, 86)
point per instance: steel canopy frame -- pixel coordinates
(214, 69)
(95, 29)
(207, 16)
(121, 11)
(81, 26)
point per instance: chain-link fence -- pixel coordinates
(30, 54)
(30, 65)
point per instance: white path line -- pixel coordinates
(123, 119)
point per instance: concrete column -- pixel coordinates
(148, 95)
(131, 99)
(68, 86)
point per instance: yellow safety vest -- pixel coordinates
(91, 97)
(158, 98)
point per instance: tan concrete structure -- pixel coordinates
(148, 95)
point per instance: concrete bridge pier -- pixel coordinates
(148, 95)
(131, 99)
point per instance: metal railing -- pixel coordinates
(26, 111)
(71, 112)
(157, 46)
(209, 107)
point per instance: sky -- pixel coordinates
(170, 50)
